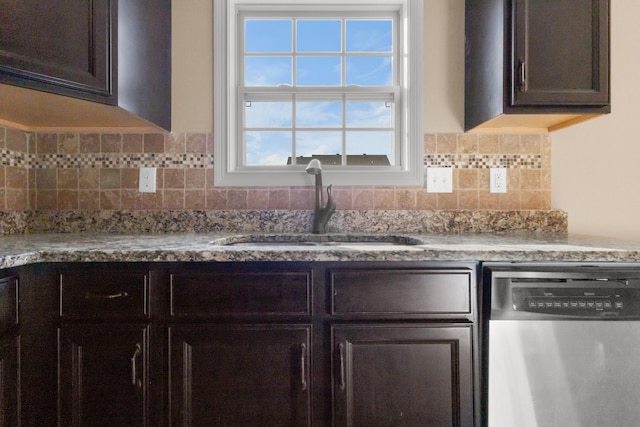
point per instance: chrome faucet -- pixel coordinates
(322, 212)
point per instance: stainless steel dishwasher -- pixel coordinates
(561, 345)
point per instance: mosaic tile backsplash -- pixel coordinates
(86, 171)
(87, 181)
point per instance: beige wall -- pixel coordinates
(596, 165)
(193, 65)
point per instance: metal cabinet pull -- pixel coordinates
(341, 357)
(120, 294)
(134, 370)
(522, 75)
(303, 374)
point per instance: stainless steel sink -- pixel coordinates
(317, 240)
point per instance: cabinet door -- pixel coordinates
(239, 375)
(9, 381)
(61, 46)
(561, 52)
(412, 375)
(103, 375)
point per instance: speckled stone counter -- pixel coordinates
(16, 250)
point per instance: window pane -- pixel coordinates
(318, 71)
(269, 35)
(267, 71)
(268, 148)
(369, 148)
(268, 114)
(369, 70)
(369, 36)
(318, 114)
(318, 36)
(318, 143)
(368, 114)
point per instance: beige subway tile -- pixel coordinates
(384, 198)
(447, 201)
(68, 143)
(67, 200)
(195, 199)
(153, 143)
(468, 199)
(530, 179)
(343, 197)
(430, 143)
(47, 143)
(130, 178)
(16, 200)
(174, 179)
(196, 143)
(46, 178)
(89, 143)
(303, 198)
(258, 198)
(217, 199)
(3, 192)
(531, 143)
(46, 200)
(16, 140)
(16, 178)
(195, 178)
(510, 144)
(545, 179)
(362, 198)
(109, 179)
(426, 201)
(467, 178)
(68, 179)
(488, 201)
(3, 173)
(514, 180)
(488, 143)
(110, 199)
(173, 199)
(89, 178)
(210, 143)
(89, 199)
(175, 143)
(511, 200)
(131, 199)
(237, 198)
(279, 198)
(446, 143)
(132, 143)
(405, 198)
(152, 201)
(467, 143)
(111, 143)
(536, 200)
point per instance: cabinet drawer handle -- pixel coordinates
(120, 294)
(303, 374)
(134, 370)
(522, 75)
(341, 358)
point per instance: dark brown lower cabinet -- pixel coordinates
(104, 375)
(240, 375)
(409, 375)
(10, 381)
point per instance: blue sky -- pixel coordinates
(318, 55)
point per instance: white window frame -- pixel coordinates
(227, 126)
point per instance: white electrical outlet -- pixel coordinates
(147, 180)
(498, 180)
(439, 180)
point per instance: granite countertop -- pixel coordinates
(18, 250)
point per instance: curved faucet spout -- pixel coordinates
(322, 212)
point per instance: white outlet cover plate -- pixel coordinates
(147, 180)
(498, 180)
(439, 180)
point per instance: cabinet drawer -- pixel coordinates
(396, 291)
(8, 303)
(202, 294)
(104, 293)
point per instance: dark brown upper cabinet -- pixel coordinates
(535, 64)
(94, 63)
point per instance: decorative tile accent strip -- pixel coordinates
(120, 160)
(479, 161)
(14, 158)
(370, 221)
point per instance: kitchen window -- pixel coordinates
(300, 80)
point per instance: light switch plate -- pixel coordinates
(147, 180)
(439, 180)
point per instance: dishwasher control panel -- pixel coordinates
(577, 301)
